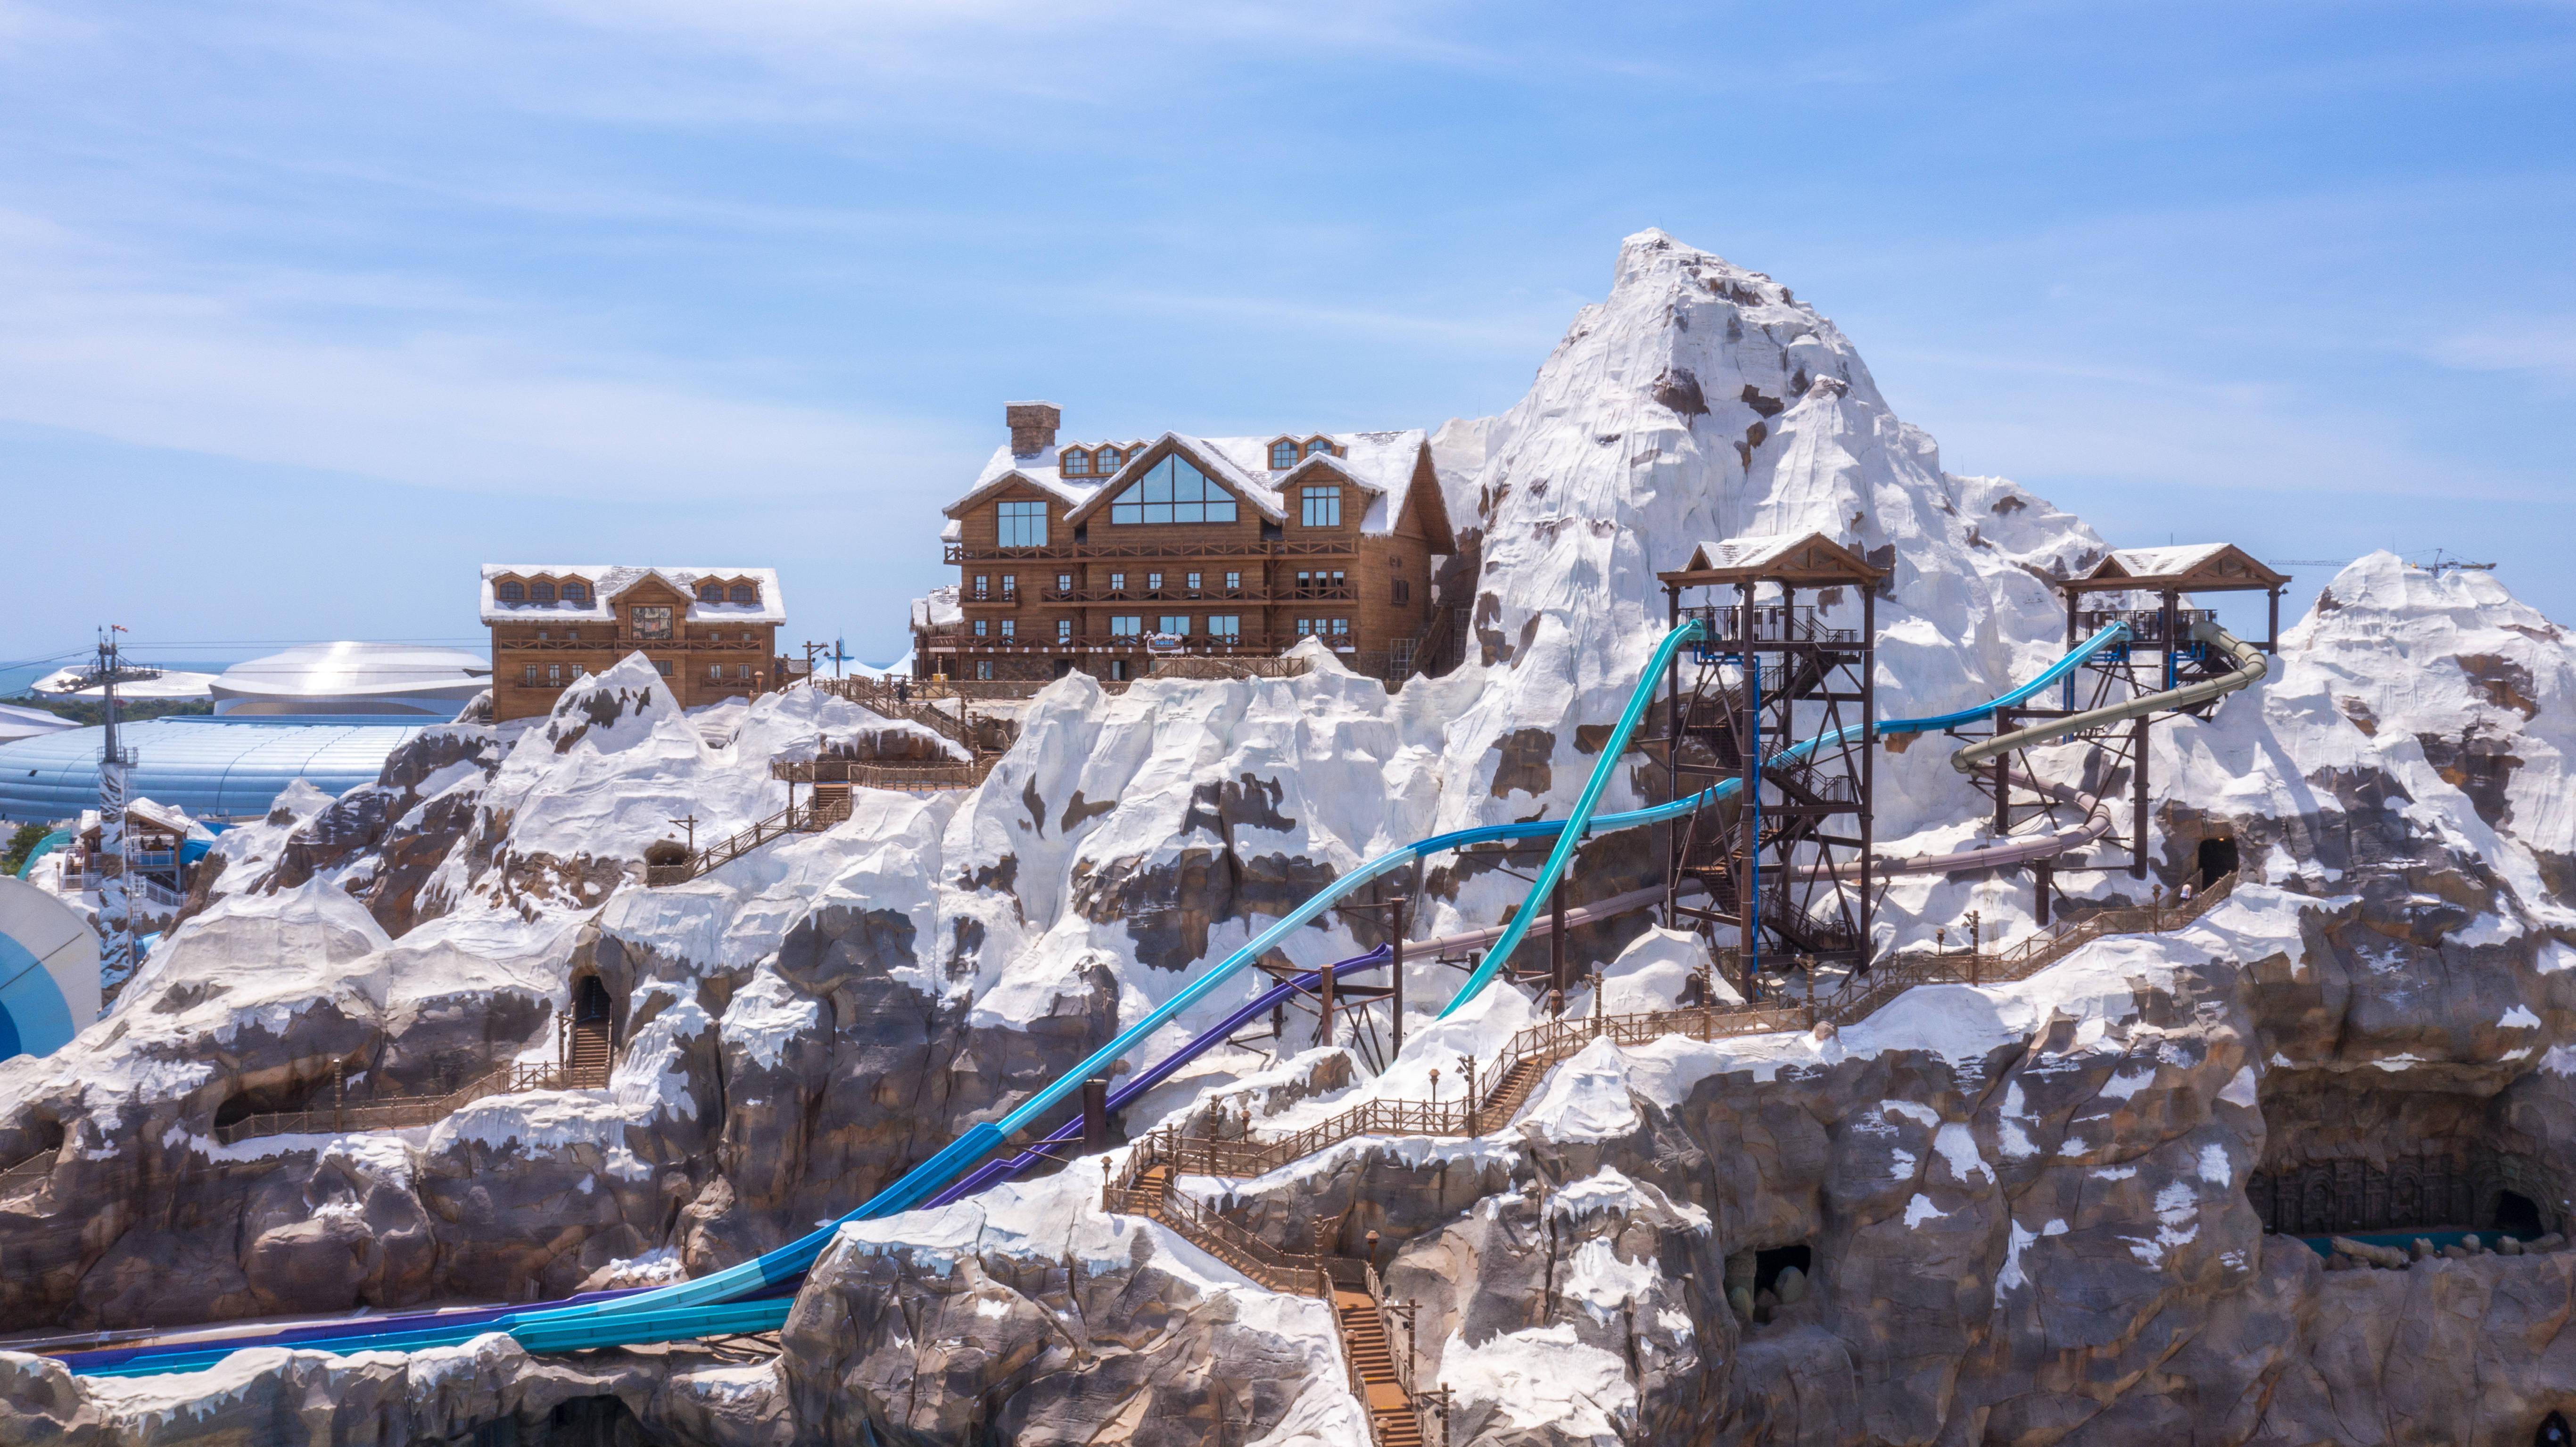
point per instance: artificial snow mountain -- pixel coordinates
(2026, 1206)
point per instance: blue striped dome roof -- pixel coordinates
(215, 768)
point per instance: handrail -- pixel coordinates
(1554, 1040)
(400, 1112)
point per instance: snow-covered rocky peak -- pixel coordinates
(2440, 684)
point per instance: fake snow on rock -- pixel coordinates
(1137, 838)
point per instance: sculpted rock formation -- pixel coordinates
(2030, 1213)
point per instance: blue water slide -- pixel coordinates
(664, 1313)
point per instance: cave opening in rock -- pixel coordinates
(589, 1043)
(2348, 1159)
(595, 1422)
(1767, 1265)
(2217, 859)
(2553, 1432)
(279, 1098)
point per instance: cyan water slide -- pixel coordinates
(752, 1296)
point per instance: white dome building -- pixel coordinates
(354, 680)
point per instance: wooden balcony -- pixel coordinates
(1341, 547)
(1052, 644)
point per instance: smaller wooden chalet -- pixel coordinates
(2130, 577)
(713, 632)
(158, 837)
(1098, 556)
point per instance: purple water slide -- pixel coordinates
(996, 1171)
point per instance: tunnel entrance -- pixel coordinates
(2553, 1433)
(2341, 1160)
(2217, 859)
(1767, 1266)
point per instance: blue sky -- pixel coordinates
(306, 309)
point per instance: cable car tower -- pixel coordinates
(116, 865)
(1785, 865)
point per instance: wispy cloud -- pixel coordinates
(2546, 345)
(477, 399)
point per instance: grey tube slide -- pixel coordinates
(2250, 666)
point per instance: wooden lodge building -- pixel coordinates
(1101, 556)
(713, 632)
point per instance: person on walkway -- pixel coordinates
(903, 690)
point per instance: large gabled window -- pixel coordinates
(1173, 491)
(1323, 507)
(1021, 525)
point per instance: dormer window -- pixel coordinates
(510, 592)
(1318, 446)
(1074, 462)
(541, 592)
(743, 593)
(1173, 492)
(1108, 460)
(1283, 455)
(711, 592)
(576, 593)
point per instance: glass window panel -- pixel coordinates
(1063, 629)
(1158, 512)
(1075, 464)
(1220, 510)
(1126, 625)
(1178, 625)
(1109, 460)
(511, 592)
(1021, 524)
(1126, 512)
(1318, 445)
(1225, 625)
(1283, 455)
(541, 592)
(1158, 483)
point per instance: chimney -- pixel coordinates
(1033, 426)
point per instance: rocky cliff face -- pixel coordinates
(2031, 1213)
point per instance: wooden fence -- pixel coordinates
(1553, 1040)
(402, 1112)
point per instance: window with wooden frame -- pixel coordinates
(1020, 524)
(1173, 491)
(1322, 507)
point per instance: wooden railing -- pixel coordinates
(917, 703)
(402, 1112)
(1299, 548)
(1553, 1040)
(873, 774)
(812, 816)
(1235, 1244)
(29, 1174)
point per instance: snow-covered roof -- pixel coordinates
(2204, 565)
(938, 607)
(607, 581)
(1794, 556)
(1380, 463)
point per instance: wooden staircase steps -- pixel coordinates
(1392, 1420)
